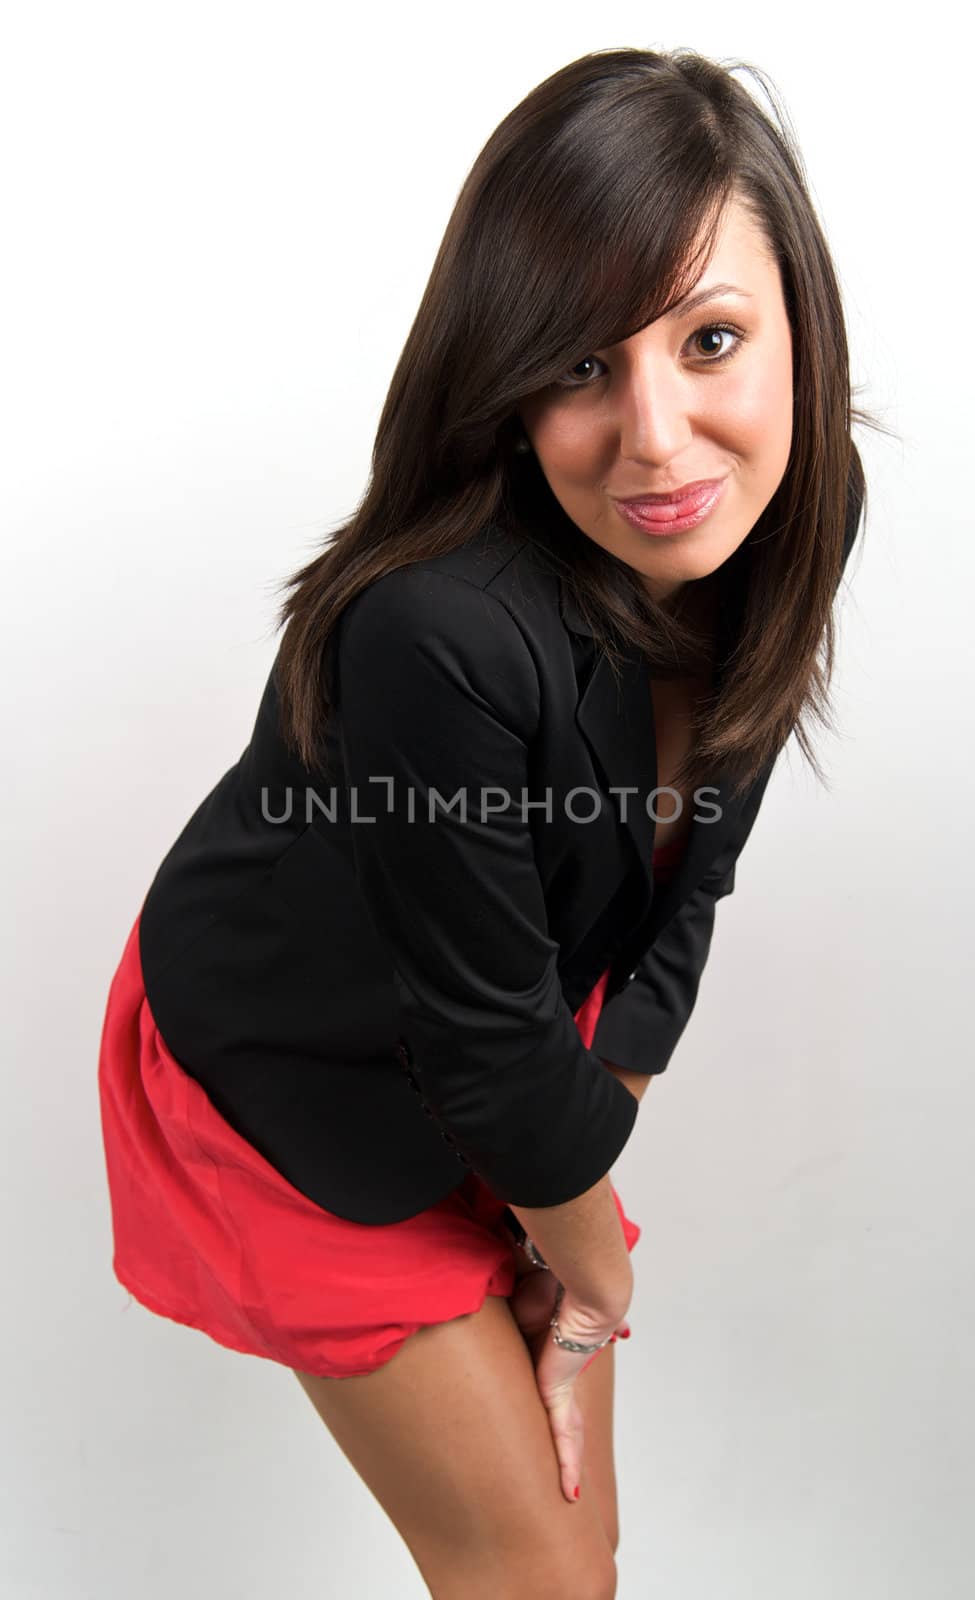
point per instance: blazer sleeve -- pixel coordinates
(640, 1027)
(438, 700)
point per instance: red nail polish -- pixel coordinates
(575, 1492)
(625, 1334)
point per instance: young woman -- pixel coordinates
(388, 1010)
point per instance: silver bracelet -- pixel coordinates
(533, 1254)
(535, 1257)
(572, 1344)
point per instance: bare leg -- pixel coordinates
(452, 1439)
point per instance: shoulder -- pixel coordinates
(490, 594)
(461, 627)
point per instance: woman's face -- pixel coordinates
(678, 402)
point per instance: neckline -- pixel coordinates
(671, 847)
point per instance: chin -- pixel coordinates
(674, 568)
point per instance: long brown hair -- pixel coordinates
(590, 212)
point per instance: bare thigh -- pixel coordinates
(452, 1439)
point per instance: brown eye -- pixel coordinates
(713, 334)
(587, 361)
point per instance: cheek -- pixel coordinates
(757, 409)
(569, 446)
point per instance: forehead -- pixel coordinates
(742, 254)
(741, 273)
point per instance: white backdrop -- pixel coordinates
(218, 222)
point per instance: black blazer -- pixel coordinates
(378, 998)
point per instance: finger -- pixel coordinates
(568, 1433)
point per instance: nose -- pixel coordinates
(654, 415)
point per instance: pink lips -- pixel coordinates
(673, 516)
(673, 496)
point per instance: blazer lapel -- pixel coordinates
(618, 725)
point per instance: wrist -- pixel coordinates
(572, 1321)
(609, 1314)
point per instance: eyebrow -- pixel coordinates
(694, 300)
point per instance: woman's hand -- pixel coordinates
(533, 1302)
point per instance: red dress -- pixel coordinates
(208, 1233)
